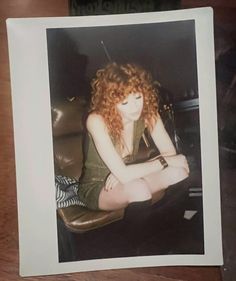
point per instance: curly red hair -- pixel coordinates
(113, 84)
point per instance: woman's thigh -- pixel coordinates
(122, 194)
(162, 179)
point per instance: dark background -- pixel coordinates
(165, 49)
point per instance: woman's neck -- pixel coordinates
(127, 123)
(127, 138)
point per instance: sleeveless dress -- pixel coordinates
(95, 171)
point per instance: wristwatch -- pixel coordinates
(163, 162)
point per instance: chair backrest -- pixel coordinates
(68, 130)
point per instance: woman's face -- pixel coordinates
(131, 107)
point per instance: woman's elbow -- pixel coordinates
(125, 173)
(124, 178)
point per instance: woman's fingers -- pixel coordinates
(178, 161)
(110, 182)
(185, 164)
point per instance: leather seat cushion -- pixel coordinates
(79, 219)
(68, 117)
(68, 155)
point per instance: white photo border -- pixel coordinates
(34, 148)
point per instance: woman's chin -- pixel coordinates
(136, 117)
(131, 118)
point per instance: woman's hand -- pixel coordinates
(111, 181)
(178, 161)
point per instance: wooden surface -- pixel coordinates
(9, 257)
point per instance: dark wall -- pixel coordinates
(166, 49)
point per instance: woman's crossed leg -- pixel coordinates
(120, 195)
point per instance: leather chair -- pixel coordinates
(68, 118)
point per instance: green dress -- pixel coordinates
(95, 171)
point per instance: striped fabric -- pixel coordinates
(66, 192)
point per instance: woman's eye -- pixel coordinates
(124, 102)
(138, 97)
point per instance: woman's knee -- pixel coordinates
(113, 199)
(137, 190)
(178, 174)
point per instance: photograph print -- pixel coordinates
(126, 140)
(115, 133)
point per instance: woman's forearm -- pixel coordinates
(135, 171)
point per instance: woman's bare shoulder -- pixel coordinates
(95, 122)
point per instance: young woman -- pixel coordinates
(124, 103)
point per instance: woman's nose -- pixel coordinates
(133, 106)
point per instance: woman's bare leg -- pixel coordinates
(141, 189)
(161, 180)
(123, 194)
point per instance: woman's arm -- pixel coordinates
(166, 147)
(162, 139)
(110, 156)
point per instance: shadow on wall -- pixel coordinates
(66, 81)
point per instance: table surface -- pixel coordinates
(9, 259)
